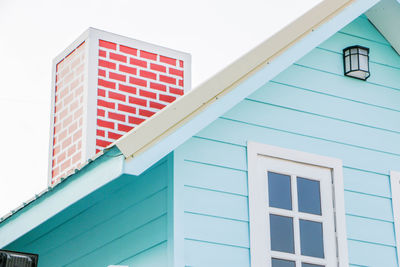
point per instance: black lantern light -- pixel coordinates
(356, 62)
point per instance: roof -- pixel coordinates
(161, 134)
(189, 114)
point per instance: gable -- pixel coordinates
(309, 107)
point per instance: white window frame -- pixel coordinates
(258, 214)
(395, 187)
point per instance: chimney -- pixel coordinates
(103, 86)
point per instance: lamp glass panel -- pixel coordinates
(363, 62)
(354, 62)
(347, 63)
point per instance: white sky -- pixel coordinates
(32, 33)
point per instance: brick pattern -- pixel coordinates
(68, 114)
(133, 84)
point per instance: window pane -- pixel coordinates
(310, 265)
(309, 196)
(279, 191)
(283, 263)
(311, 239)
(281, 233)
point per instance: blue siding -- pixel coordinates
(128, 225)
(309, 107)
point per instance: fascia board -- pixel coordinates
(189, 114)
(102, 171)
(386, 18)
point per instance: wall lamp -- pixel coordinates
(356, 62)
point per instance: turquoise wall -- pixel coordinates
(309, 107)
(124, 223)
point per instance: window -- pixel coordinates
(296, 209)
(395, 186)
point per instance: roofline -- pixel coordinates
(184, 109)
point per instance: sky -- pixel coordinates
(32, 33)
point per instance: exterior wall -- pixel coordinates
(310, 107)
(125, 223)
(68, 112)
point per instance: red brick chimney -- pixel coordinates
(103, 86)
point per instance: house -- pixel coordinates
(278, 160)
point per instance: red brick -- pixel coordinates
(73, 127)
(71, 151)
(62, 157)
(146, 113)
(66, 143)
(76, 158)
(62, 135)
(148, 74)
(101, 92)
(168, 60)
(176, 72)
(167, 79)
(156, 105)
(126, 108)
(65, 165)
(137, 81)
(77, 135)
(78, 113)
(138, 101)
(107, 64)
(56, 150)
(116, 116)
(126, 88)
(100, 133)
(105, 104)
(157, 86)
(128, 50)
(108, 45)
(176, 91)
(102, 73)
(158, 67)
(138, 62)
(181, 63)
(148, 55)
(106, 124)
(117, 96)
(181, 83)
(105, 83)
(67, 121)
(116, 76)
(118, 57)
(101, 112)
(102, 143)
(127, 69)
(114, 136)
(102, 53)
(167, 98)
(124, 128)
(135, 120)
(148, 94)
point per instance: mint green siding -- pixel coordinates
(125, 223)
(309, 107)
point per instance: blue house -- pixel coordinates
(279, 160)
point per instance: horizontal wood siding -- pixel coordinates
(127, 226)
(309, 107)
